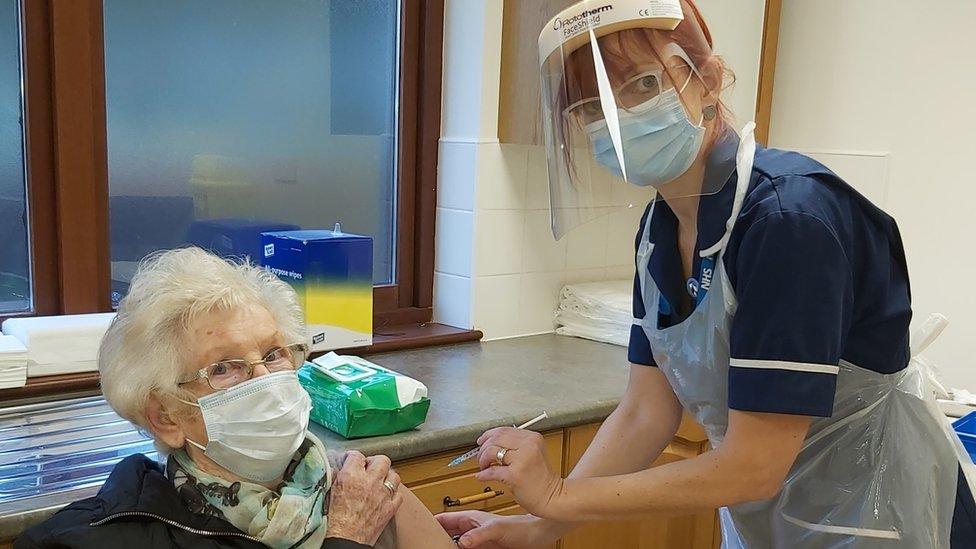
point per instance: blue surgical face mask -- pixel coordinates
(659, 141)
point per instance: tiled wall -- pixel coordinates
(505, 281)
(498, 267)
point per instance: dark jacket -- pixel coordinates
(138, 507)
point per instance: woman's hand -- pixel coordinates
(533, 483)
(361, 505)
(481, 530)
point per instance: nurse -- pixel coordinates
(771, 302)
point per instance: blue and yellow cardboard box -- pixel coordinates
(332, 272)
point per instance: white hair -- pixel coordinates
(141, 352)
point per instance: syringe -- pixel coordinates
(470, 454)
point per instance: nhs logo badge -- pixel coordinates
(268, 250)
(706, 279)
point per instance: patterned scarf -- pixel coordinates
(293, 515)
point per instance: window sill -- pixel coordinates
(386, 339)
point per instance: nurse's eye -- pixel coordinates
(647, 85)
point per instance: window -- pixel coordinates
(15, 289)
(148, 122)
(229, 118)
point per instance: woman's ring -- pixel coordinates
(500, 457)
(391, 487)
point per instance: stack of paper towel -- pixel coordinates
(60, 344)
(13, 362)
(602, 311)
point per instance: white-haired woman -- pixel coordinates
(202, 355)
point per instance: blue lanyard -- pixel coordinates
(698, 287)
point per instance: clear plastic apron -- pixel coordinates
(880, 472)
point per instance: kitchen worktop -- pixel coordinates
(473, 387)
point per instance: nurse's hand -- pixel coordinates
(481, 530)
(535, 486)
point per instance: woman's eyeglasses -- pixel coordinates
(228, 373)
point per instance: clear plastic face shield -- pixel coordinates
(626, 108)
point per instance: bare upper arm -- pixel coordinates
(649, 395)
(769, 442)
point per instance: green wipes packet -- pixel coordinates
(357, 398)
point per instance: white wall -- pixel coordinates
(498, 267)
(895, 86)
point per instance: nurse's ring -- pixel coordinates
(500, 457)
(391, 487)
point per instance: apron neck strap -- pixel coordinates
(743, 167)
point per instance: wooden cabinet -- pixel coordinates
(442, 489)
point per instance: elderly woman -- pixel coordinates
(202, 356)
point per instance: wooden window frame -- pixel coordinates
(67, 162)
(410, 300)
(67, 177)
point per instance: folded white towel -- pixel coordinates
(610, 300)
(60, 344)
(602, 311)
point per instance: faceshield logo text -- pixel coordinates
(581, 21)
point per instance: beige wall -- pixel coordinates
(883, 93)
(737, 30)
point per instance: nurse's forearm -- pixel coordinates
(636, 432)
(757, 454)
(633, 436)
(628, 441)
(688, 486)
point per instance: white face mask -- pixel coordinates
(256, 427)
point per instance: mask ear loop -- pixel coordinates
(674, 50)
(196, 404)
(607, 103)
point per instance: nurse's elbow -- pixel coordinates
(757, 480)
(768, 486)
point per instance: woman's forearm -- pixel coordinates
(750, 465)
(701, 483)
(628, 441)
(632, 437)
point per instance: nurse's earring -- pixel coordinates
(709, 112)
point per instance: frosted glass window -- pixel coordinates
(15, 284)
(228, 117)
